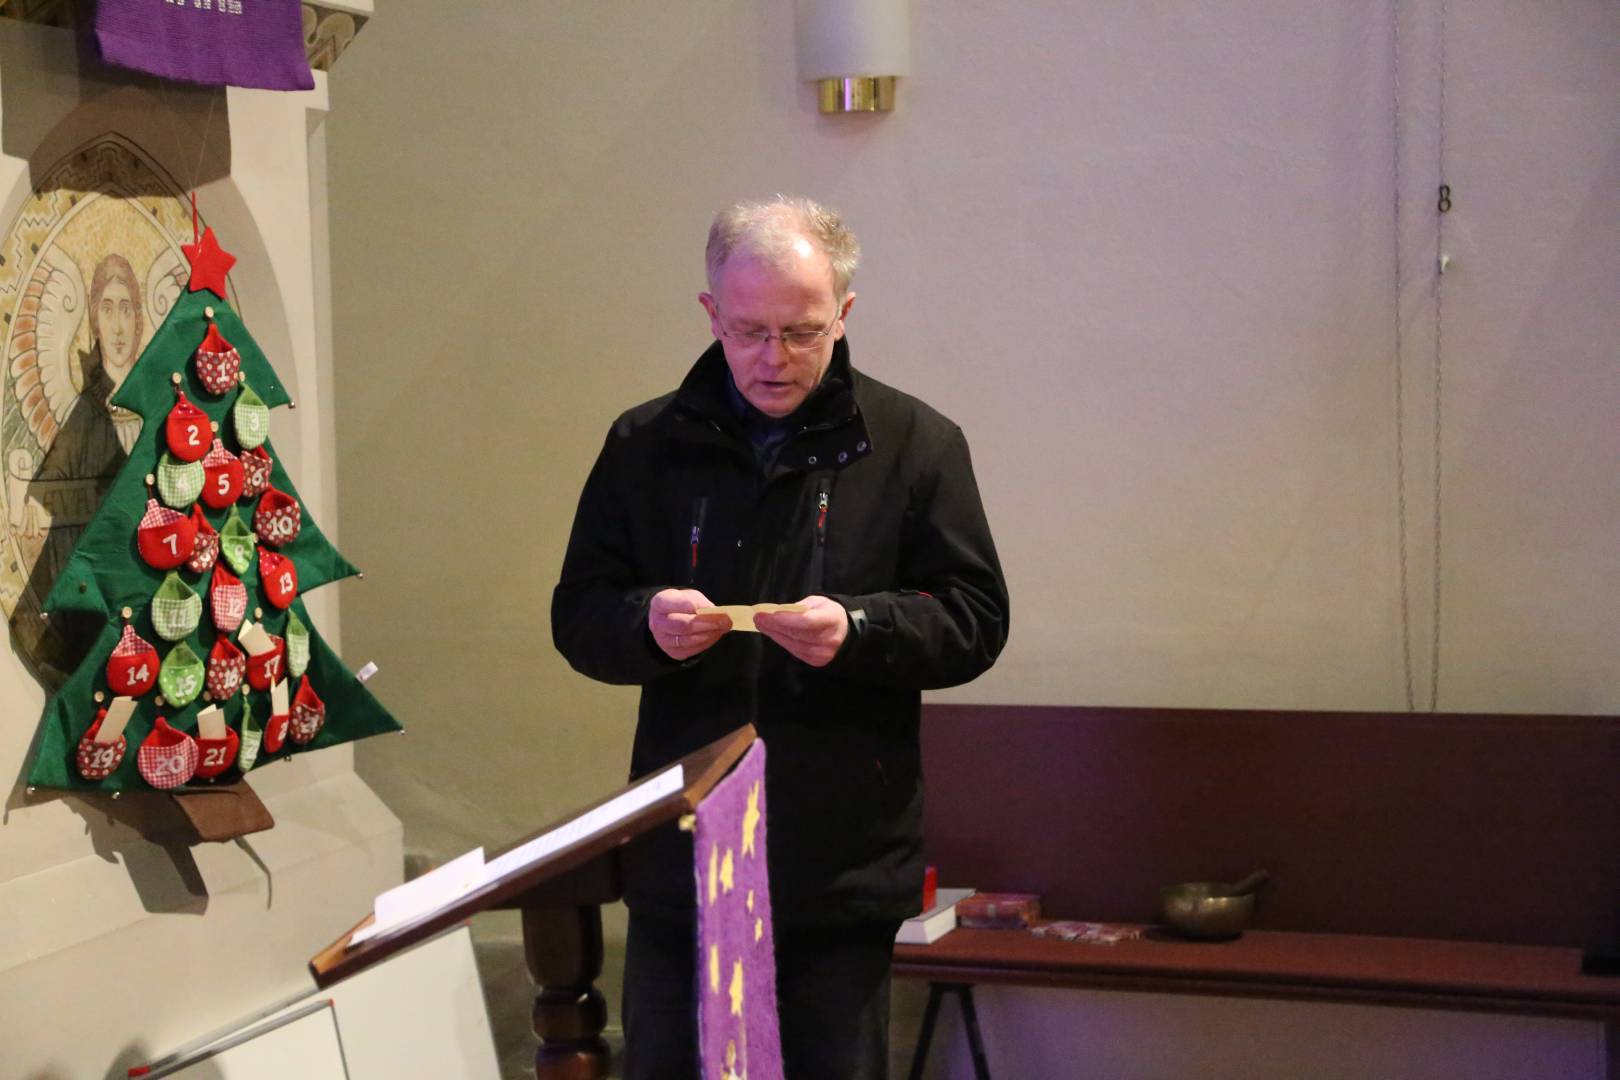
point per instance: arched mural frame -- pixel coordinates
(56, 456)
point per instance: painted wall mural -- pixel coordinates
(89, 268)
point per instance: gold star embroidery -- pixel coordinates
(759, 929)
(714, 874)
(736, 988)
(714, 968)
(750, 823)
(750, 901)
(726, 867)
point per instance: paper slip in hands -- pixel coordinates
(742, 615)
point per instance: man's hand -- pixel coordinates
(679, 632)
(814, 635)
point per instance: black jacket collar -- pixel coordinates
(830, 430)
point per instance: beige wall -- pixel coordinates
(1143, 253)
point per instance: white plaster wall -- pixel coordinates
(114, 950)
(1143, 253)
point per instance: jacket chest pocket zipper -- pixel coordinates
(818, 554)
(700, 506)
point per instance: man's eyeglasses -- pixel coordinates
(795, 340)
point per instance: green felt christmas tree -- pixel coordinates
(197, 561)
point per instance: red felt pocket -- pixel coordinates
(132, 669)
(227, 600)
(214, 756)
(218, 364)
(167, 757)
(97, 761)
(187, 430)
(279, 577)
(308, 713)
(226, 666)
(267, 668)
(256, 466)
(277, 520)
(165, 538)
(206, 551)
(223, 477)
(275, 732)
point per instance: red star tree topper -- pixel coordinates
(209, 264)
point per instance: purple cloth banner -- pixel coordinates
(737, 1033)
(257, 43)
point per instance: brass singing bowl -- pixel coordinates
(1190, 909)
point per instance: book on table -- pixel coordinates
(936, 922)
(999, 911)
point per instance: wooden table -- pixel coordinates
(1524, 980)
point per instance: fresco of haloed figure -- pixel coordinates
(92, 264)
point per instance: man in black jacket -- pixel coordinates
(777, 472)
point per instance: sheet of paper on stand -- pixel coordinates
(643, 795)
(422, 896)
(936, 922)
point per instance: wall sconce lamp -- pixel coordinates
(854, 50)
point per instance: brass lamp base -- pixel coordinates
(857, 93)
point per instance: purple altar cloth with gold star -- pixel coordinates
(736, 962)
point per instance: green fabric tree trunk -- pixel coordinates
(106, 574)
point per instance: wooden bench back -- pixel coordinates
(1462, 826)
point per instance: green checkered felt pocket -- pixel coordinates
(236, 543)
(181, 678)
(252, 736)
(250, 417)
(176, 609)
(179, 482)
(297, 636)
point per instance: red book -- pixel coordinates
(999, 911)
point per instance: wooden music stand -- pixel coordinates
(560, 897)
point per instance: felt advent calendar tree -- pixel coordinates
(209, 664)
